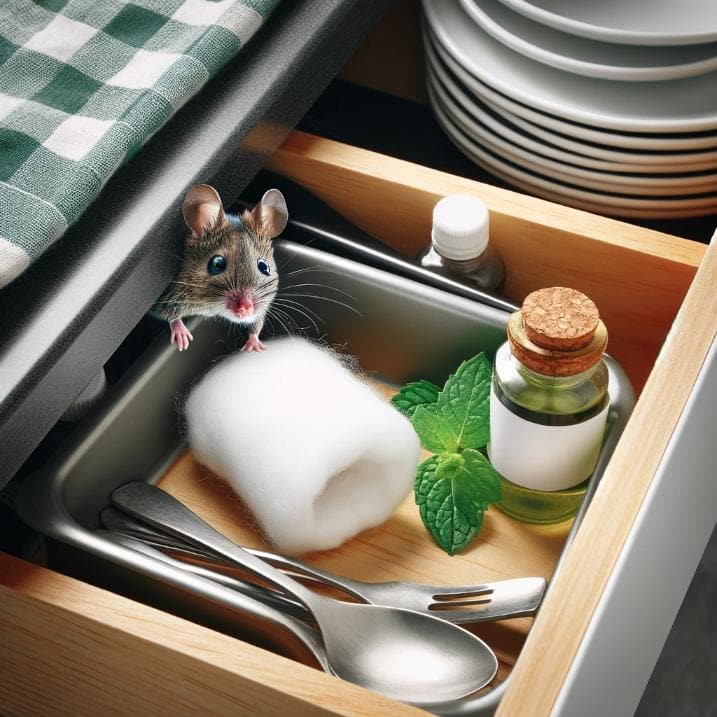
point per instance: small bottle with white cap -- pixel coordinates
(459, 243)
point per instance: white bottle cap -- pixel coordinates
(460, 227)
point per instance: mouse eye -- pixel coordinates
(263, 267)
(217, 264)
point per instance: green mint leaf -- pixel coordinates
(452, 492)
(485, 481)
(435, 434)
(413, 395)
(463, 403)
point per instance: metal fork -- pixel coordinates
(498, 600)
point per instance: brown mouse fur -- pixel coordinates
(228, 267)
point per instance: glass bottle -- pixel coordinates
(549, 405)
(459, 244)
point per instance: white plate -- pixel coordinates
(626, 63)
(577, 131)
(555, 192)
(636, 184)
(560, 147)
(562, 171)
(686, 162)
(685, 105)
(592, 201)
(633, 22)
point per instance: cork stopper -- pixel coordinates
(557, 332)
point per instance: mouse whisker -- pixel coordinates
(227, 284)
(270, 320)
(299, 331)
(303, 313)
(305, 270)
(293, 258)
(224, 280)
(181, 258)
(312, 316)
(268, 288)
(330, 300)
(321, 286)
(300, 269)
(264, 290)
(168, 301)
(283, 300)
(267, 294)
(317, 269)
(281, 311)
(283, 325)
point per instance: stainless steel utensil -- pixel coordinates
(274, 599)
(498, 600)
(403, 654)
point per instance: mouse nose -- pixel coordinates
(240, 303)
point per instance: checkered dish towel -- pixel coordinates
(83, 84)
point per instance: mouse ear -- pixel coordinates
(202, 208)
(269, 217)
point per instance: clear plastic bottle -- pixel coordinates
(549, 405)
(460, 245)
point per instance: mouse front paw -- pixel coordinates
(179, 334)
(253, 344)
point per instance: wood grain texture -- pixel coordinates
(637, 277)
(390, 59)
(576, 591)
(399, 549)
(69, 648)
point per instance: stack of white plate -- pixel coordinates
(606, 106)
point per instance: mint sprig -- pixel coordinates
(454, 487)
(415, 394)
(463, 402)
(435, 434)
(452, 492)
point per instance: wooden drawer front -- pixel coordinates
(70, 645)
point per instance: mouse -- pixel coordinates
(228, 267)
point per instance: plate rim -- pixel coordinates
(605, 34)
(433, 9)
(568, 194)
(583, 177)
(577, 130)
(554, 137)
(655, 73)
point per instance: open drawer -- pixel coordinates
(69, 647)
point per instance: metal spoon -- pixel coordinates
(277, 600)
(497, 600)
(403, 654)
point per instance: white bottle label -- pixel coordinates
(543, 457)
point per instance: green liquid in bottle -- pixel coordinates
(549, 401)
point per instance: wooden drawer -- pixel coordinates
(70, 648)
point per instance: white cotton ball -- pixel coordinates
(315, 452)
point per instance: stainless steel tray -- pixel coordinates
(399, 330)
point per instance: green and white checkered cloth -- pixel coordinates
(83, 84)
